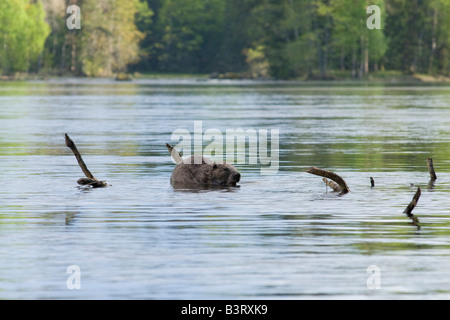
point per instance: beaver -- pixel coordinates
(198, 171)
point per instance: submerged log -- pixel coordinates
(431, 169)
(411, 206)
(90, 179)
(330, 175)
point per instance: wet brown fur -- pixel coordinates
(200, 171)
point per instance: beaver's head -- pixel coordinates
(225, 174)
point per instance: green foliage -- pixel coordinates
(418, 32)
(23, 31)
(284, 29)
(258, 66)
(359, 46)
(190, 33)
(278, 38)
(109, 39)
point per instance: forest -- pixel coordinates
(279, 39)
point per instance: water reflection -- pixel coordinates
(279, 236)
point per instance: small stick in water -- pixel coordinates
(372, 182)
(90, 179)
(431, 169)
(333, 185)
(174, 153)
(411, 206)
(330, 175)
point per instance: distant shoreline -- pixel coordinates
(388, 77)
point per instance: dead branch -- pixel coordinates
(90, 179)
(411, 206)
(330, 175)
(431, 169)
(174, 153)
(413, 203)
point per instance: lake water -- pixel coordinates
(278, 236)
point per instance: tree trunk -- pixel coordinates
(417, 52)
(63, 56)
(362, 65)
(325, 54)
(366, 58)
(354, 62)
(73, 54)
(433, 41)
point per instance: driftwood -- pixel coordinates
(411, 206)
(90, 179)
(330, 175)
(174, 153)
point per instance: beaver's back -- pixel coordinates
(195, 170)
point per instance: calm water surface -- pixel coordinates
(281, 236)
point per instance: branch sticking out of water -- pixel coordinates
(90, 179)
(174, 153)
(411, 206)
(431, 169)
(330, 175)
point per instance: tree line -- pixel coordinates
(282, 39)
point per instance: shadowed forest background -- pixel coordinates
(281, 39)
